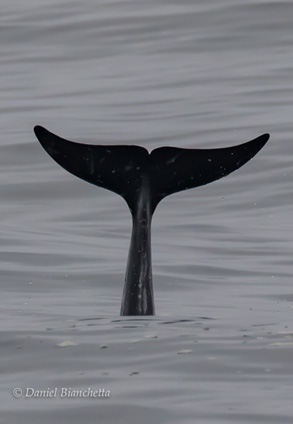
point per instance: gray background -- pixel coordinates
(189, 74)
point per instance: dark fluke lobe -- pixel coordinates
(143, 179)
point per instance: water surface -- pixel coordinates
(190, 74)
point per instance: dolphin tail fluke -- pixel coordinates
(126, 169)
(178, 169)
(116, 168)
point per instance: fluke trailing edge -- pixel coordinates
(143, 179)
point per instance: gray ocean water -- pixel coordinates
(189, 74)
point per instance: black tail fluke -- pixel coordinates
(126, 169)
(176, 169)
(116, 168)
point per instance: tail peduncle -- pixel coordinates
(138, 297)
